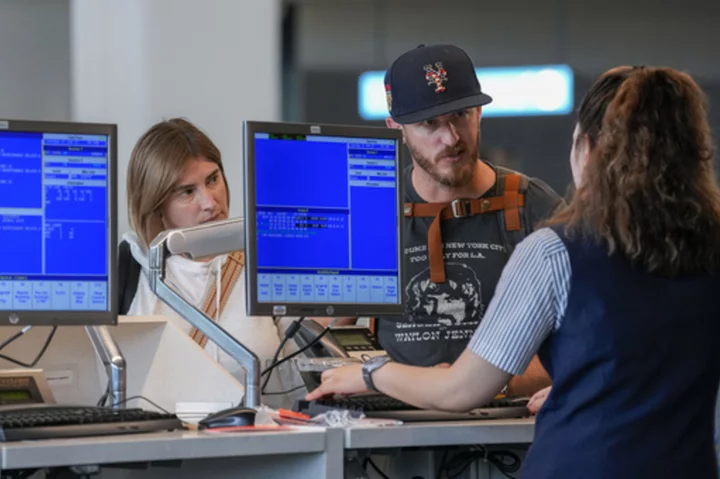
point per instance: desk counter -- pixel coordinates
(442, 433)
(299, 453)
(414, 449)
(312, 452)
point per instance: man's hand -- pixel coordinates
(534, 380)
(538, 399)
(342, 380)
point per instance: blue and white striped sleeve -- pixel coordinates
(528, 303)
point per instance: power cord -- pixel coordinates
(296, 353)
(14, 337)
(104, 398)
(369, 461)
(18, 335)
(144, 399)
(506, 462)
(280, 393)
(289, 333)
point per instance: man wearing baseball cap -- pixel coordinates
(463, 215)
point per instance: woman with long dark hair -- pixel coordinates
(617, 295)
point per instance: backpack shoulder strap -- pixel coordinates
(513, 223)
(509, 203)
(229, 274)
(128, 277)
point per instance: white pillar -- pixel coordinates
(214, 62)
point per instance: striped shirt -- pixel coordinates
(528, 304)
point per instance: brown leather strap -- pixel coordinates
(513, 201)
(457, 208)
(372, 325)
(228, 277)
(510, 203)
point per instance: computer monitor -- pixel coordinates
(58, 220)
(323, 211)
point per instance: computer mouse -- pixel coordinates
(231, 417)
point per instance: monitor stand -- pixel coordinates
(170, 369)
(115, 367)
(196, 242)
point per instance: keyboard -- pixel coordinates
(381, 406)
(44, 421)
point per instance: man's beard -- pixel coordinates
(461, 173)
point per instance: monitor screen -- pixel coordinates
(323, 212)
(57, 223)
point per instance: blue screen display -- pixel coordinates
(54, 222)
(327, 221)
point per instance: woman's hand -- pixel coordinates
(538, 399)
(346, 380)
(469, 382)
(342, 380)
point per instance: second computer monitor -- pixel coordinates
(323, 211)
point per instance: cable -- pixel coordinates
(14, 337)
(103, 399)
(506, 462)
(280, 393)
(18, 474)
(144, 399)
(374, 466)
(441, 468)
(299, 351)
(37, 358)
(289, 333)
(496, 458)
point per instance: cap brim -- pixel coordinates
(444, 109)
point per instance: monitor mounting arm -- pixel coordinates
(115, 366)
(197, 242)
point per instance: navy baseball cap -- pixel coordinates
(431, 81)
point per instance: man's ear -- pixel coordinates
(390, 123)
(395, 126)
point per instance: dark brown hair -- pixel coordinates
(648, 190)
(156, 163)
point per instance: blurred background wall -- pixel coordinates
(219, 62)
(332, 41)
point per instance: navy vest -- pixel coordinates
(635, 367)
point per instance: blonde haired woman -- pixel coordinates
(176, 179)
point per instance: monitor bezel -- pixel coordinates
(319, 309)
(76, 318)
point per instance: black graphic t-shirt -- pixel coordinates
(441, 318)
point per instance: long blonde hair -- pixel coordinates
(156, 163)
